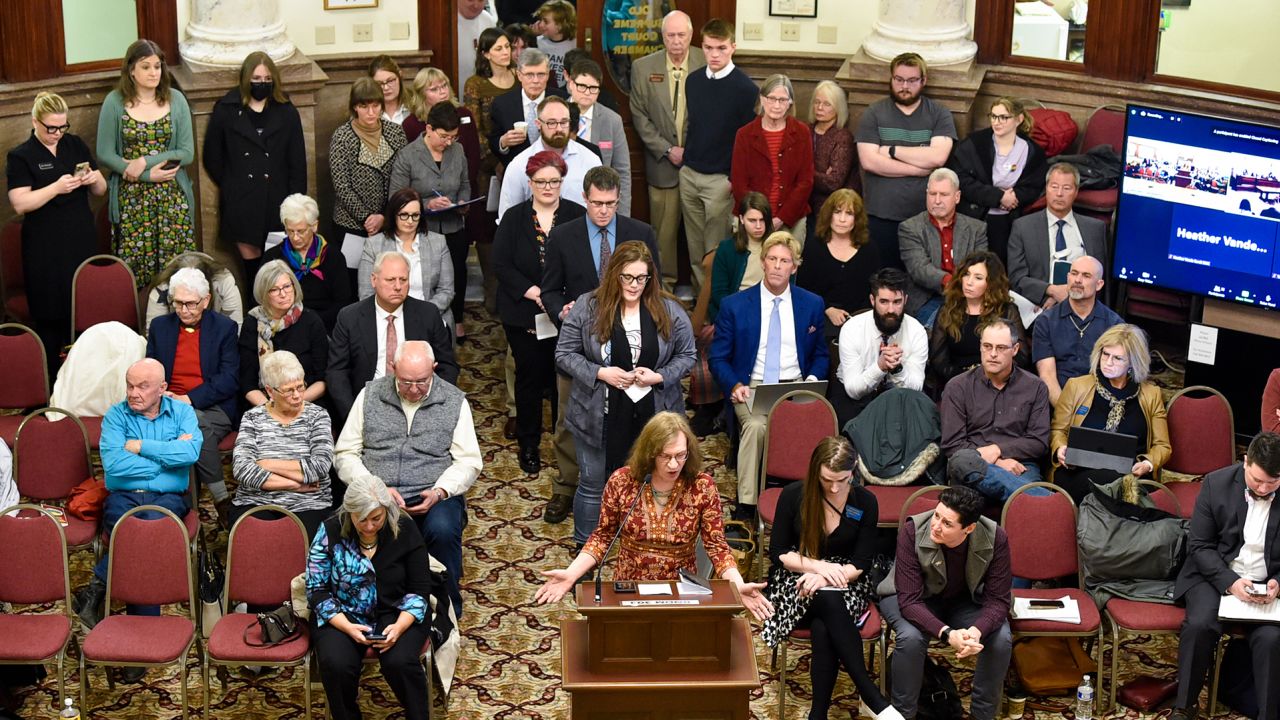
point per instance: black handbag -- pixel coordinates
(939, 698)
(212, 576)
(277, 627)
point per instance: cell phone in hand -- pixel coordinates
(414, 500)
(1257, 589)
(170, 165)
(82, 169)
(375, 634)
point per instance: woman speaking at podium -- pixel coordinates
(675, 504)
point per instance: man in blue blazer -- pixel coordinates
(743, 354)
(202, 368)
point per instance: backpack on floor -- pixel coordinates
(939, 697)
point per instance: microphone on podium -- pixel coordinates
(618, 533)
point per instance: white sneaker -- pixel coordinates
(889, 713)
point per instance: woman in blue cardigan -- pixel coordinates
(144, 140)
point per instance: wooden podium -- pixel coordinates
(658, 657)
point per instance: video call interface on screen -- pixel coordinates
(1200, 206)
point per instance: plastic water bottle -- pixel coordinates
(1084, 699)
(69, 711)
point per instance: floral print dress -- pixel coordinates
(155, 218)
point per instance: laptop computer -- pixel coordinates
(1101, 450)
(763, 397)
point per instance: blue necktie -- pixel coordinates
(773, 345)
(1060, 245)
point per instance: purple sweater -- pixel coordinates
(909, 580)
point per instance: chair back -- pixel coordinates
(50, 458)
(1104, 127)
(102, 290)
(150, 560)
(33, 566)
(1202, 431)
(796, 424)
(1042, 533)
(922, 500)
(1162, 496)
(24, 372)
(266, 550)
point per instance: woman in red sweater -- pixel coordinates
(773, 155)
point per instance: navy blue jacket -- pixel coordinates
(219, 359)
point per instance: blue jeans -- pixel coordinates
(114, 508)
(442, 529)
(928, 312)
(591, 481)
(998, 483)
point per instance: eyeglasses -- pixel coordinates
(303, 232)
(387, 83)
(414, 384)
(602, 204)
(187, 306)
(281, 290)
(447, 138)
(588, 89)
(629, 279)
(56, 129)
(406, 216)
(1000, 349)
(544, 184)
(908, 81)
(295, 390)
(554, 123)
(438, 88)
(1000, 118)
(775, 100)
(666, 459)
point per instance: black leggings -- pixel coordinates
(836, 642)
(459, 244)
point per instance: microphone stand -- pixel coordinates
(618, 533)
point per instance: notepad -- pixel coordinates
(1233, 608)
(1068, 613)
(543, 328)
(654, 588)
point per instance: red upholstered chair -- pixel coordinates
(33, 570)
(889, 502)
(13, 286)
(922, 500)
(103, 289)
(796, 424)
(263, 556)
(1162, 496)
(1105, 126)
(24, 375)
(1042, 546)
(1132, 617)
(1202, 435)
(51, 458)
(150, 564)
(873, 648)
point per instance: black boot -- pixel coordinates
(88, 603)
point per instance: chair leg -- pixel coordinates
(1217, 673)
(207, 690)
(426, 667)
(182, 668)
(84, 687)
(782, 681)
(62, 688)
(306, 687)
(1115, 654)
(1098, 661)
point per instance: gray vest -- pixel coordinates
(982, 542)
(409, 461)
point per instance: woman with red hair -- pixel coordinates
(519, 254)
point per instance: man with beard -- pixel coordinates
(901, 139)
(553, 134)
(1043, 244)
(879, 350)
(995, 420)
(769, 333)
(935, 242)
(1063, 336)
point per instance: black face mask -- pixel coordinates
(261, 90)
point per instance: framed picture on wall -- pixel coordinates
(349, 4)
(793, 8)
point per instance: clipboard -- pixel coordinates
(455, 206)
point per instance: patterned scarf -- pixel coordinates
(311, 262)
(1115, 397)
(268, 327)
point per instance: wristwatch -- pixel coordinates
(945, 635)
(893, 151)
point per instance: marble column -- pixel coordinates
(221, 32)
(936, 29)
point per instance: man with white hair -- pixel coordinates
(520, 104)
(367, 333)
(202, 368)
(417, 436)
(935, 242)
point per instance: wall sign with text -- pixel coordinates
(794, 8)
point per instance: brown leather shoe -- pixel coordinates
(509, 430)
(558, 508)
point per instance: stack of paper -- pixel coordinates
(1068, 613)
(688, 588)
(1232, 608)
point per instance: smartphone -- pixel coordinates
(170, 164)
(375, 634)
(1257, 589)
(414, 500)
(82, 169)
(624, 586)
(1045, 604)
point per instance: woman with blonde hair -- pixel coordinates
(835, 155)
(678, 505)
(626, 345)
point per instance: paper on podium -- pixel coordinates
(1233, 608)
(1068, 613)
(654, 588)
(688, 588)
(543, 328)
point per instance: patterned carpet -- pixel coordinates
(510, 657)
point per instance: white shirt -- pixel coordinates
(464, 448)
(788, 358)
(1251, 563)
(1071, 232)
(468, 35)
(860, 372)
(722, 74)
(515, 184)
(415, 268)
(402, 114)
(380, 368)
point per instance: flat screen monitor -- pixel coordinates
(1199, 207)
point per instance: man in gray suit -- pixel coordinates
(658, 114)
(935, 242)
(599, 125)
(1043, 245)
